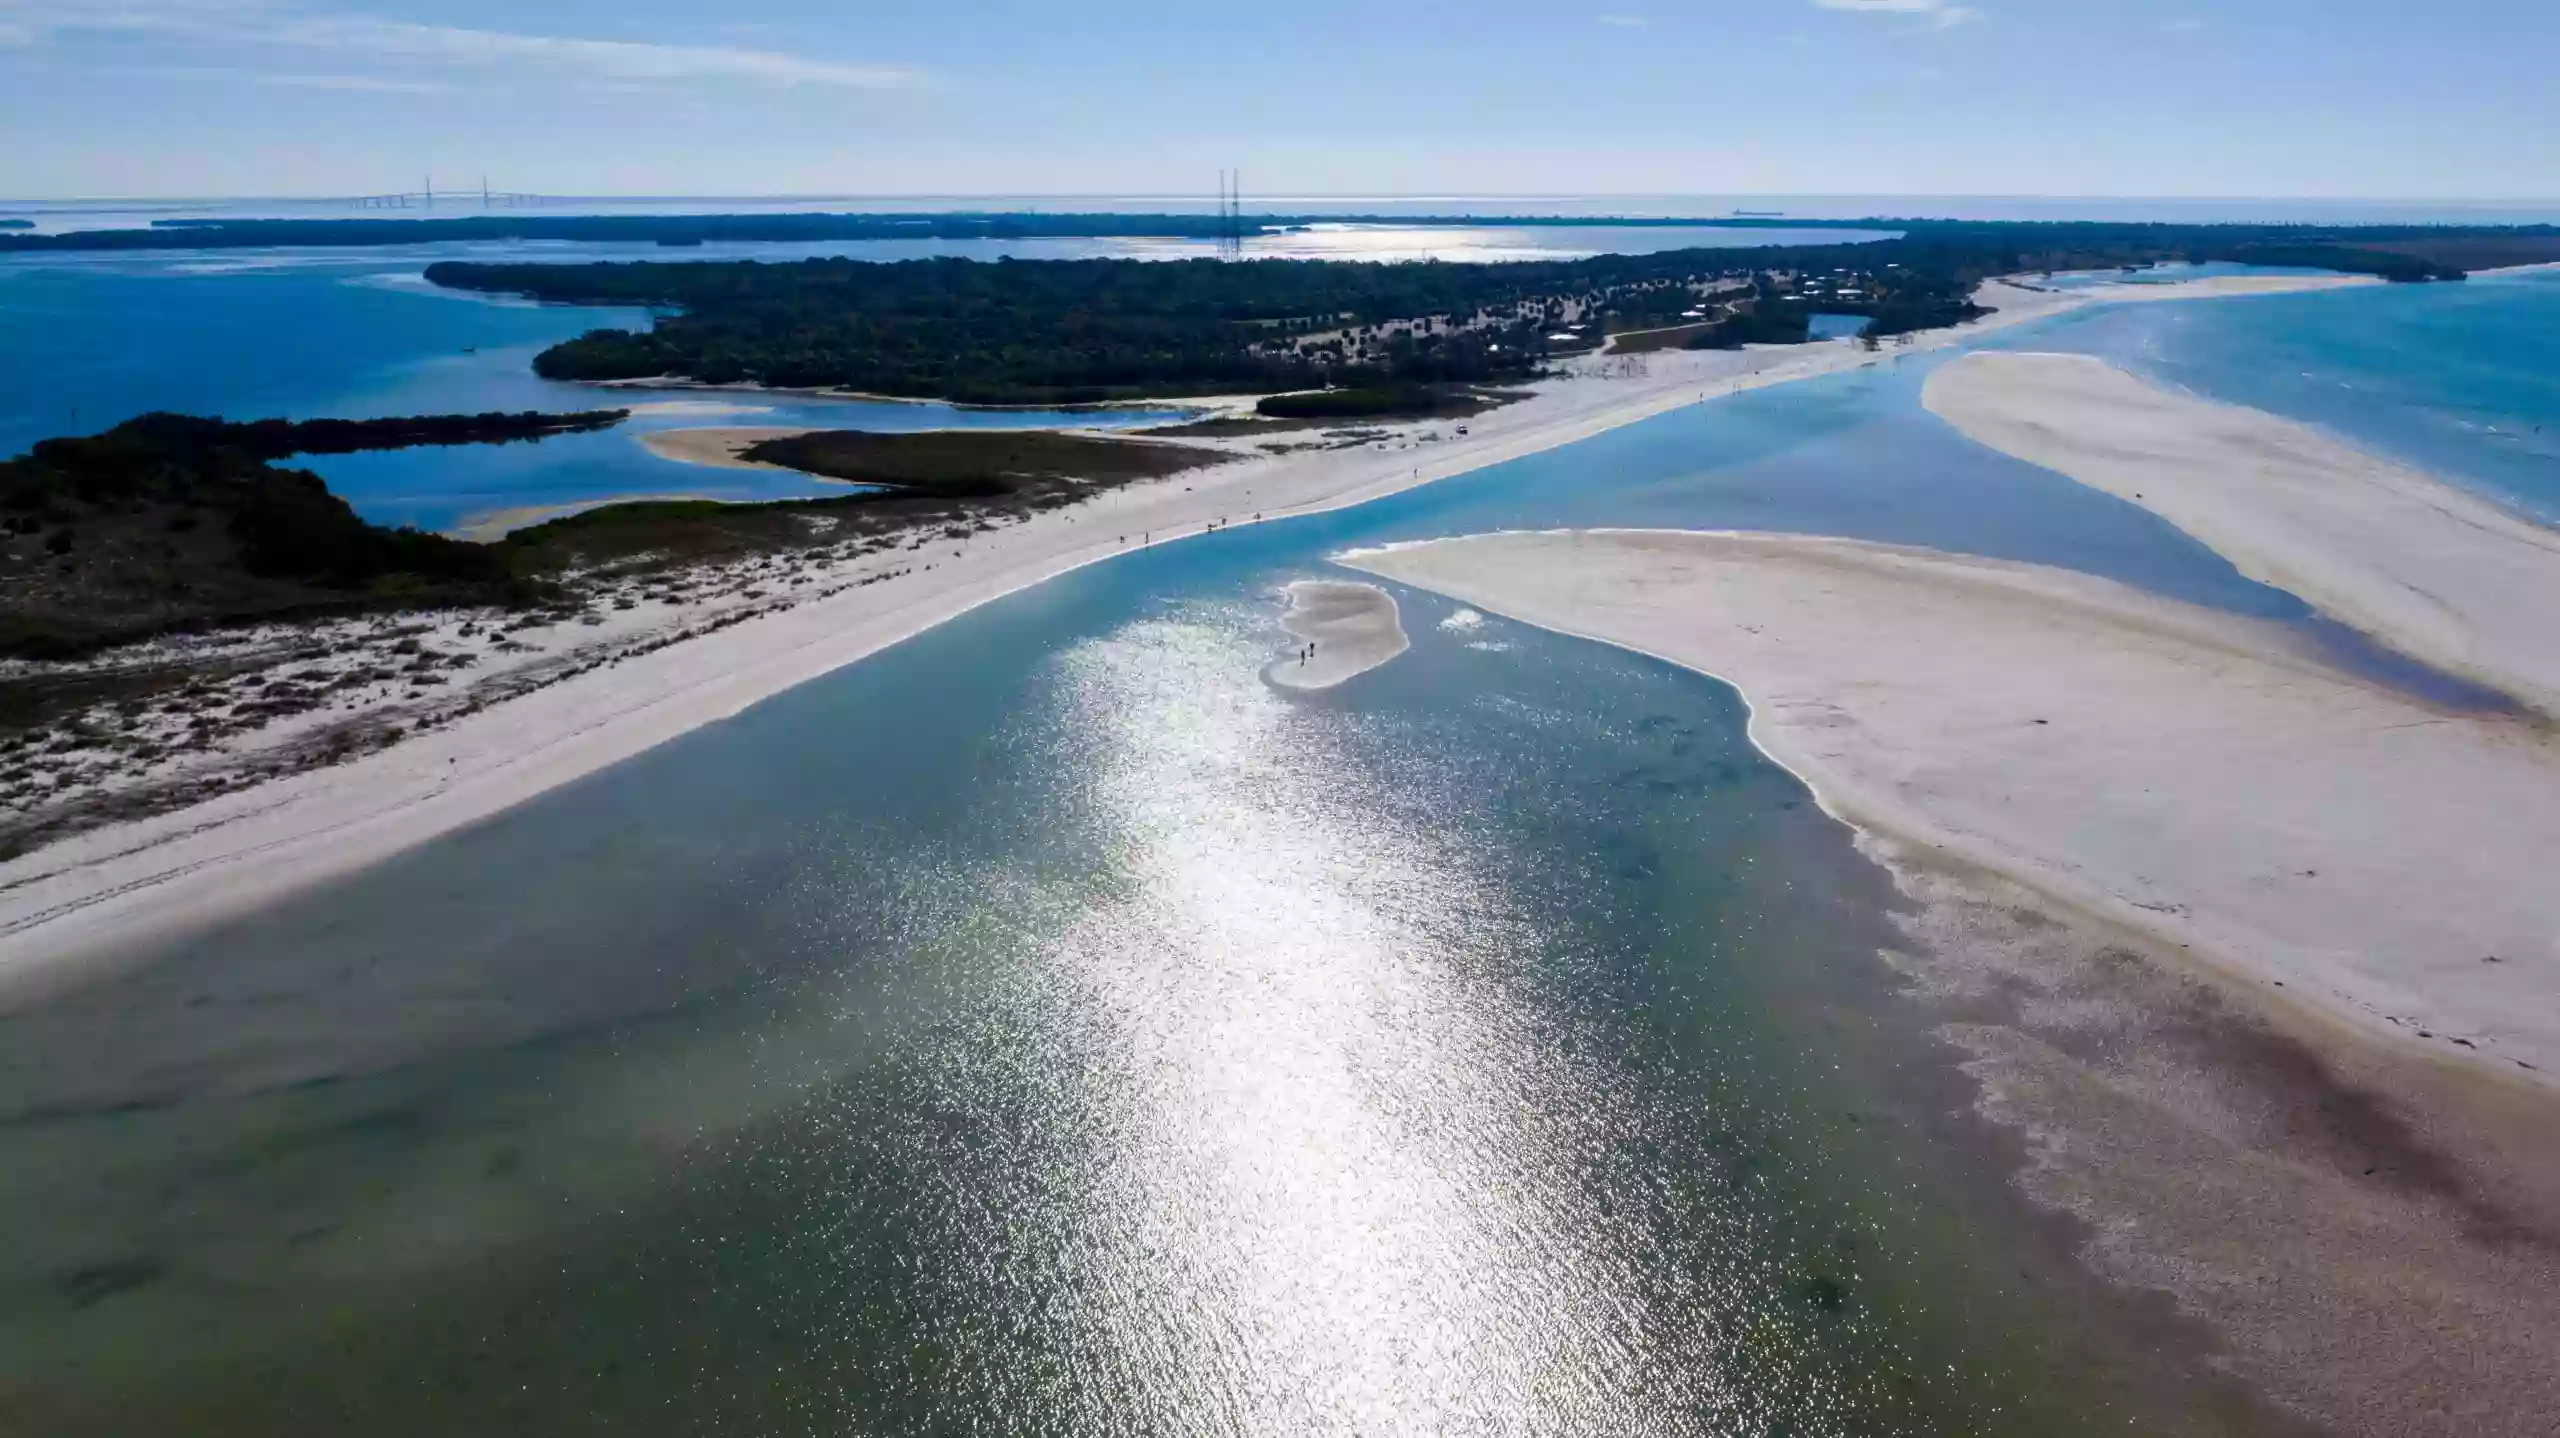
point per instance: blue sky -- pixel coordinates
(2350, 98)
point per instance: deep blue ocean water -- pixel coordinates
(1494, 1042)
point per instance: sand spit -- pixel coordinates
(116, 888)
(2414, 562)
(2171, 875)
(2226, 287)
(2176, 770)
(1352, 629)
(719, 446)
(696, 408)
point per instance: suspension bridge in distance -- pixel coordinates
(430, 198)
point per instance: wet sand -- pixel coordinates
(1353, 629)
(720, 446)
(2418, 564)
(2256, 955)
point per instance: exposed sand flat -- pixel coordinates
(2183, 772)
(697, 408)
(112, 889)
(2418, 564)
(1354, 628)
(2224, 287)
(719, 446)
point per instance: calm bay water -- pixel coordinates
(90, 341)
(1495, 1044)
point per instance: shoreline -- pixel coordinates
(1540, 572)
(1360, 621)
(2439, 573)
(2205, 985)
(130, 884)
(722, 446)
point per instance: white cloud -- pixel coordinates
(1624, 22)
(2188, 26)
(258, 23)
(1939, 13)
(281, 80)
(611, 59)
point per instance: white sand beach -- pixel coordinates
(2225, 287)
(2171, 769)
(114, 889)
(2426, 568)
(718, 446)
(1350, 628)
(2255, 959)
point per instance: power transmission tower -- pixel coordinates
(1231, 214)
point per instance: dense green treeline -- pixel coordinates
(1035, 331)
(1082, 330)
(283, 438)
(1387, 401)
(1052, 331)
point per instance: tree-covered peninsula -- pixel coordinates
(1067, 331)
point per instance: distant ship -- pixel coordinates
(1759, 214)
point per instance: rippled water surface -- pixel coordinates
(1499, 1049)
(1047, 1026)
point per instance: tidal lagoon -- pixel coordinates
(1049, 1025)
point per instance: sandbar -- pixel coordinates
(2225, 287)
(1352, 628)
(719, 446)
(117, 890)
(2429, 569)
(2196, 775)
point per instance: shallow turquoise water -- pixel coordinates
(1497, 1046)
(2462, 380)
(1048, 1026)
